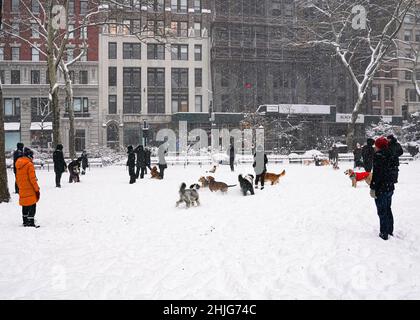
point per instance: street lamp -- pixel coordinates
(145, 132)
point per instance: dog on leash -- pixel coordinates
(246, 184)
(355, 177)
(218, 186)
(189, 196)
(204, 182)
(274, 178)
(155, 173)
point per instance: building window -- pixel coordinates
(112, 135)
(112, 50)
(198, 52)
(40, 108)
(198, 77)
(156, 27)
(112, 27)
(389, 112)
(179, 78)
(15, 5)
(83, 7)
(35, 31)
(35, 77)
(15, 77)
(70, 54)
(15, 53)
(276, 8)
(112, 104)
(80, 106)
(79, 140)
(179, 103)
(132, 79)
(131, 51)
(2, 76)
(71, 7)
(84, 33)
(389, 93)
(408, 75)
(197, 6)
(1, 53)
(407, 35)
(225, 80)
(179, 52)
(180, 6)
(156, 77)
(179, 28)
(155, 51)
(11, 107)
(155, 5)
(35, 55)
(376, 93)
(83, 77)
(156, 104)
(112, 76)
(198, 103)
(35, 6)
(411, 95)
(197, 29)
(132, 88)
(71, 31)
(84, 56)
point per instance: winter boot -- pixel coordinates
(383, 236)
(25, 221)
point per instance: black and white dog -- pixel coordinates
(246, 183)
(189, 196)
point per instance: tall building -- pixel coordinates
(25, 81)
(154, 67)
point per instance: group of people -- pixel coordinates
(139, 160)
(26, 182)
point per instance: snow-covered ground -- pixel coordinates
(312, 236)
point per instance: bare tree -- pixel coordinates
(360, 33)
(4, 189)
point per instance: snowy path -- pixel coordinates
(312, 236)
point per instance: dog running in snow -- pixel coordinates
(358, 176)
(246, 184)
(204, 182)
(218, 186)
(212, 170)
(189, 196)
(274, 178)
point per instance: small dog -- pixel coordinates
(204, 182)
(155, 173)
(246, 184)
(358, 176)
(218, 186)
(189, 196)
(212, 170)
(195, 186)
(274, 178)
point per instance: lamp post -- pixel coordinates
(145, 132)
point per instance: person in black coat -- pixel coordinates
(141, 162)
(357, 152)
(59, 164)
(84, 161)
(396, 152)
(131, 164)
(232, 157)
(148, 155)
(260, 166)
(382, 187)
(74, 170)
(16, 155)
(367, 154)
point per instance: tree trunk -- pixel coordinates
(351, 128)
(69, 100)
(4, 189)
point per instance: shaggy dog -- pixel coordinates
(212, 170)
(204, 182)
(274, 178)
(155, 173)
(358, 176)
(246, 184)
(218, 186)
(189, 196)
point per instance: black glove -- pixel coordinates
(38, 195)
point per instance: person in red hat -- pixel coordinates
(382, 186)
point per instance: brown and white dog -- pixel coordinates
(218, 186)
(155, 173)
(204, 182)
(274, 178)
(358, 176)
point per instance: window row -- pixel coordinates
(15, 54)
(82, 6)
(15, 77)
(177, 6)
(154, 51)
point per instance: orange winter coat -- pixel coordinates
(26, 181)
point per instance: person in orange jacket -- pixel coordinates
(29, 193)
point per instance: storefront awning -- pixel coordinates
(12, 126)
(36, 126)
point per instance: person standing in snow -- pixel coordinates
(59, 164)
(148, 155)
(357, 152)
(260, 166)
(335, 154)
(162, 152)
(141, 162)
(84, 161)
(382, 186)
(131, 163)
(29, 191)
(367, 154)
(16, 155)
(231, 153)
(396, 152)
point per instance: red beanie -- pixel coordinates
(381, 143)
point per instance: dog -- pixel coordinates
(155, 173)
(195, 186)
(246, 184)
(358, 176)
(212, 170)
(204, 182)
(218, 186)
(274, 178)
(189, 196)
